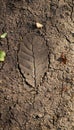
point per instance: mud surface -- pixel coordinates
(40, 94)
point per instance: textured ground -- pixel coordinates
(37, 83)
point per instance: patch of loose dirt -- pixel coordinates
(49, 104)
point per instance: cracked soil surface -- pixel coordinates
(37, 76)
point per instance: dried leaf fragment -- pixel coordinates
(33, 58)
(63, 58)
(39, 25)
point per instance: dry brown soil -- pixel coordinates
(37, 76)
